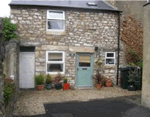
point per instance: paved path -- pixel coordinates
(111, 107)
(31, 102)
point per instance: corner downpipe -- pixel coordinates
(118, 46)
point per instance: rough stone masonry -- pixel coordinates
(84, 30)
(1, 71)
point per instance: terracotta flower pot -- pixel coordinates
(99, 86)
(108, 84)
(39, 87)
(66, 86)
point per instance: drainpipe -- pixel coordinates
(118, 45)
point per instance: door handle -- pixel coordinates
(77, 69)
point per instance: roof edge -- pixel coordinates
(146, 4)
(110, 5)
(115, 10)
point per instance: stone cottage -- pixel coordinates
(66, 37)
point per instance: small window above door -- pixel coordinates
(110, 58)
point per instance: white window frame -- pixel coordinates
(110, 58)
(55, 62)
(48, 18)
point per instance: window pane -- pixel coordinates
(109, 61)
(54, 56)
(54, 67)
(56, 24)
(110, 54)
(84, 60)
(55, 14)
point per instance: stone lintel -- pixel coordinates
(25, 43)
(81, 49)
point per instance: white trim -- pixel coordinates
(61, 19)
(110, 58)
(56, 18)
(56, 62)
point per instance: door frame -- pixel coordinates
(76, 65)
(26, 49)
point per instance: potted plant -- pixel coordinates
(99, 80)
(108, 83)
(39, 81)
(57, 83)
(66, 84)
(65, 80)
(48, 82)
(134, 79)
(98, 77)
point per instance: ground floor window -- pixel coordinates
(110, 58)
(55, 62)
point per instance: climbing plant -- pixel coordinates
(135, 60)
(9, 30)
(132, 36)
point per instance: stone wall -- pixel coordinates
(130, 7)
(146, 59)
(1, 70)
(11, 62)
(84, 31)
(134, 8)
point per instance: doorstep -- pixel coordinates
(92, 87)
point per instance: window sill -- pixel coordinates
(109, 66)
(55, 74)
(63, 33)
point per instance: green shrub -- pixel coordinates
(135, 77)
(4, 75)
(9, 89)
(39, 79)
(48, 79)
(8, 30)
(136, 60)
(65, 80)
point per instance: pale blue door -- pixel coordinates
(84, 70)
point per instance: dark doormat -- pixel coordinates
(62, 115)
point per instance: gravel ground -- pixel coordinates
(31, 102)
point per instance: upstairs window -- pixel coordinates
(55, 20)
(110, 58)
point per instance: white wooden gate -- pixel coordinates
(26, 70)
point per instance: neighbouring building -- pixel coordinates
(63, 36)
(146, 56)
(131, 26)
